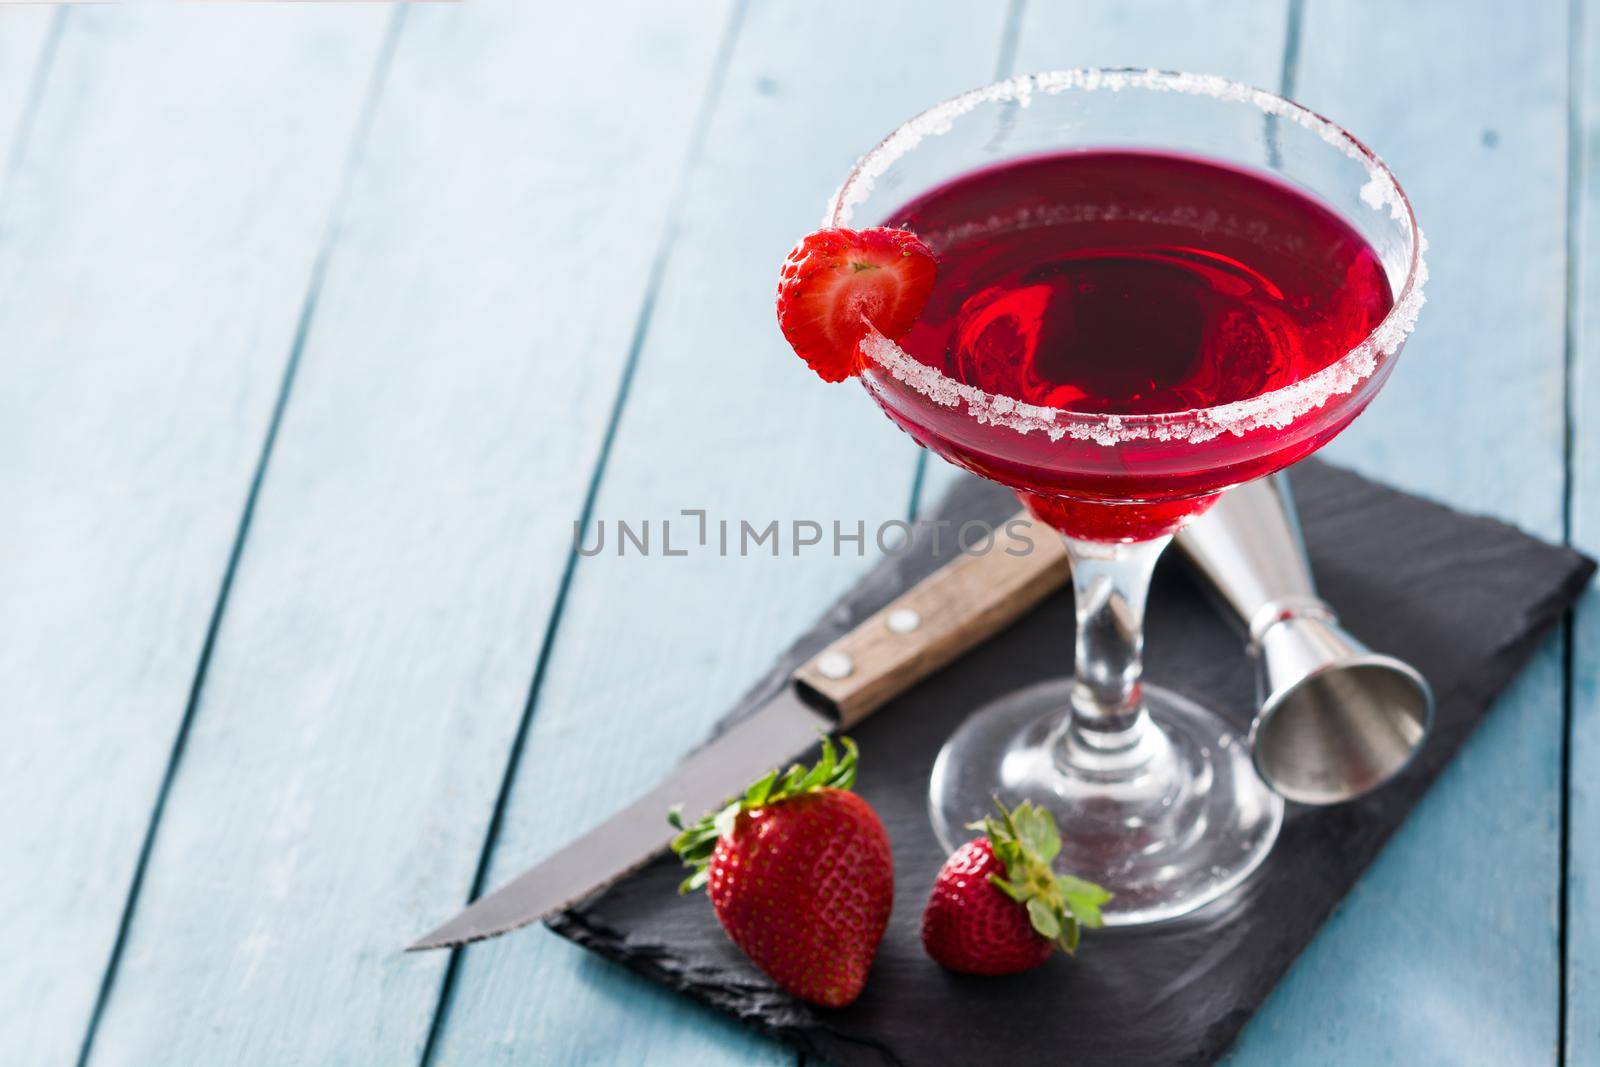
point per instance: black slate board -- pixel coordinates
(1463, 598)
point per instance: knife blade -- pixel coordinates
(957, 607)
(633, 836)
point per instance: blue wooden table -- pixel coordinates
(321, 324)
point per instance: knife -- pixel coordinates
(954, 609)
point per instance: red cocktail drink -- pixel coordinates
(1131, 283)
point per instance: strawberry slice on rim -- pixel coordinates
(837, 284)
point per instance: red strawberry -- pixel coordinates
(800, 875)
(998, 908)
(837, 283)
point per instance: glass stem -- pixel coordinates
(1109, 731)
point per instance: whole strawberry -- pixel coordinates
(998, 907)
(800, 876)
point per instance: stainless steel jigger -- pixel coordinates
(1336, 719)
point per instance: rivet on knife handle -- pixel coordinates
(957, 607)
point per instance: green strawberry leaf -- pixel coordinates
(1087, 914)
(1044, 918)
(1080, 887)
(759, 789)
(1036, 831)
(1024, 841)
(844, 773)
(1069, 937)
(1047, 836)
(1083, 899)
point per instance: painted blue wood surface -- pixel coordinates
(374, 657)
(401, 587)
(1583, 792)
(158, 229)
(26, 36)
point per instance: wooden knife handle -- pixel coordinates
(959, 606)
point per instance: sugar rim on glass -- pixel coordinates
(1274, 409)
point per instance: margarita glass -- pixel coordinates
(1155, 795)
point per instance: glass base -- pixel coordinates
(1167, 824)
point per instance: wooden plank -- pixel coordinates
(371, 670)
(721, 417)
(25, 34)
(1583, 793)
(1243, 41)
(1236, 40)
(1446, 952)
(1452, 423)
(156, 242)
